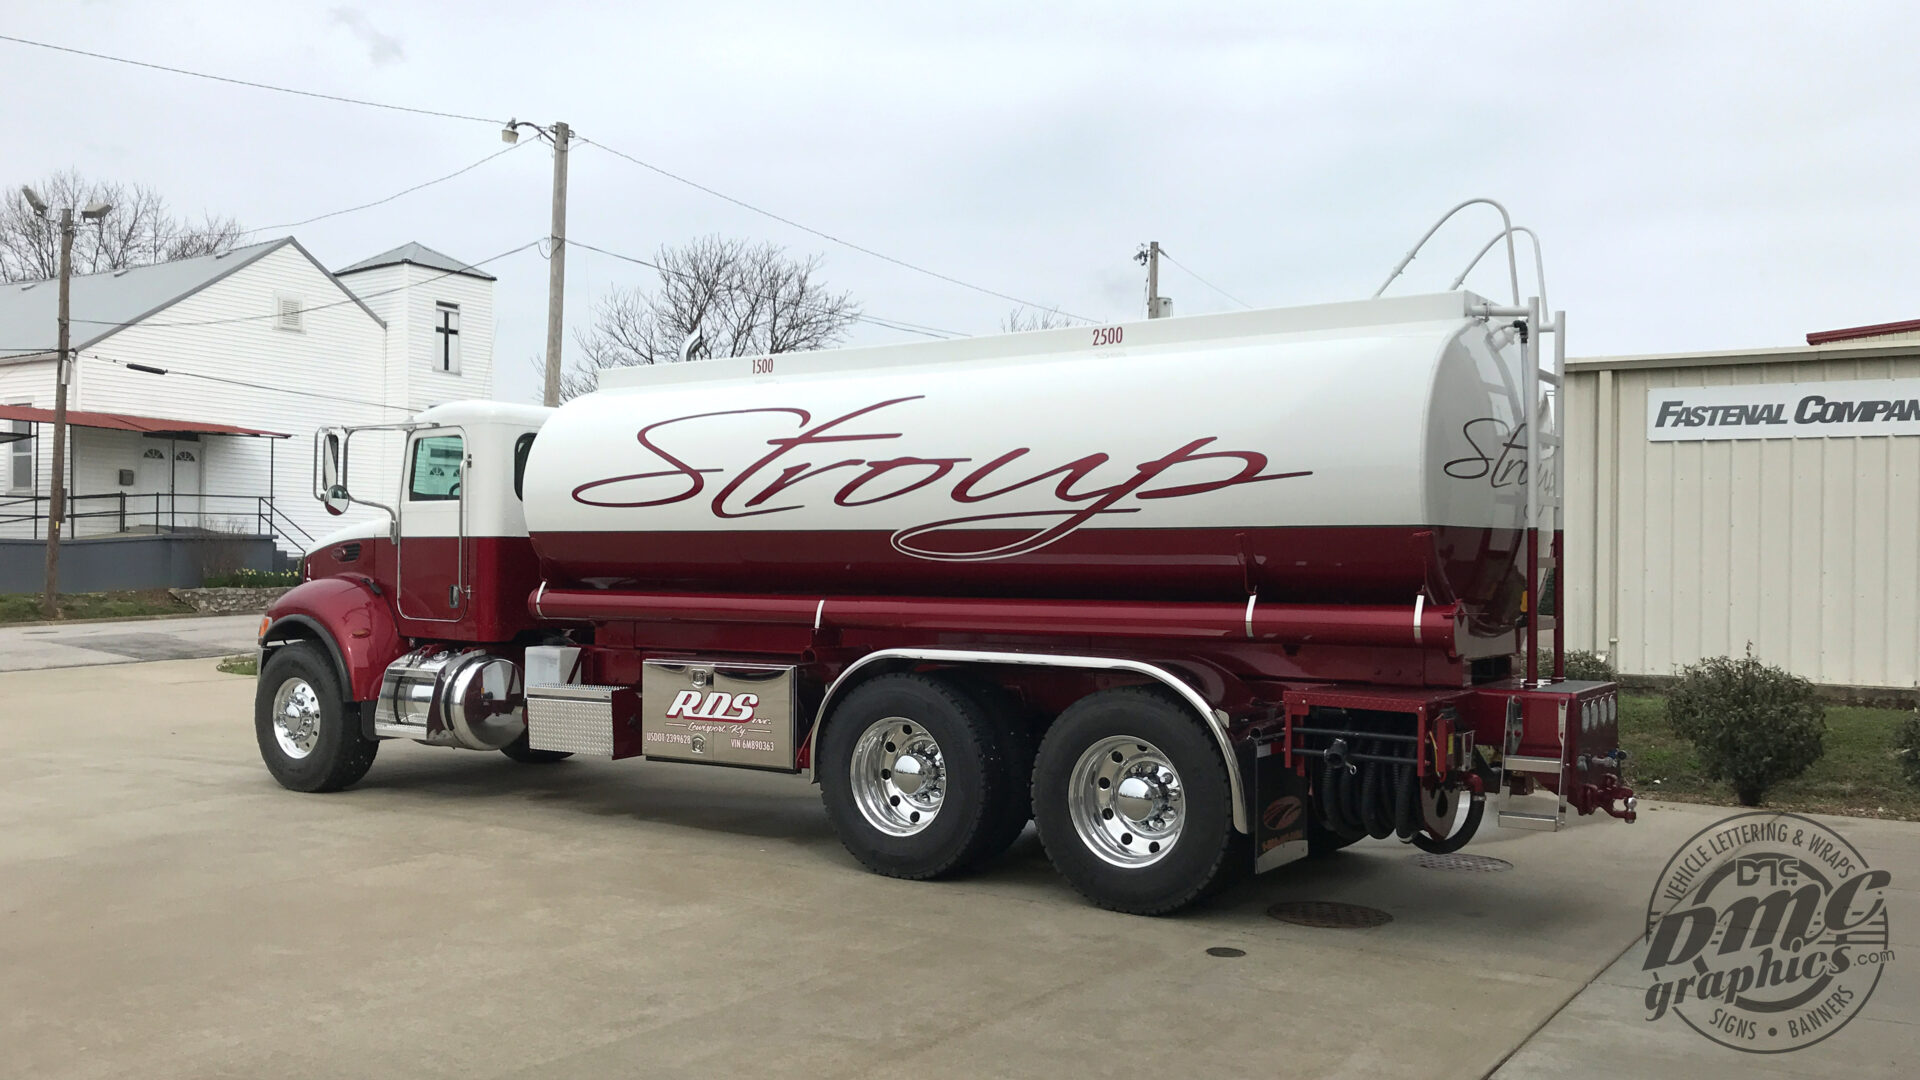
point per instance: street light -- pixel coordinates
(63, 367)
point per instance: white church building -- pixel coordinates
(196, 389)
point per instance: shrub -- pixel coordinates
(1580, 665)
(1906, 746)
(244, 578)
(1752, 724)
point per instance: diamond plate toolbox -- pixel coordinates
(718, 713)
(574, 719)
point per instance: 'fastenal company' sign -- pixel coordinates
(1784, 410)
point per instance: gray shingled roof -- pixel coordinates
(420, 255)
(101, 304)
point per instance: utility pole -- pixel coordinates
(557, 262)
(56, 505)
(62, 374)
(1158, 307)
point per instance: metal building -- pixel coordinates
(1763, 496)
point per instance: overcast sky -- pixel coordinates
(1704, 176)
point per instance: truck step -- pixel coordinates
(1544, 766)
(1526, 819)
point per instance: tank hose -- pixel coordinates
(1334, 779)
(1380, 799)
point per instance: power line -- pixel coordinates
(390, 198)
(890, 324)
(676, 177)
(151, 370)
(1169, 257)
(354, 298)
(246, 82)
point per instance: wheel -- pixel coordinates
(308, 736)
(1133, 802)
(914, 776)
(1014, 725)
(519, 751)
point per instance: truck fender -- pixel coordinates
(1214, 720)
(352, 621)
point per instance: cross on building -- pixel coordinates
(449, 331)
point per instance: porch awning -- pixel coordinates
(148, 425)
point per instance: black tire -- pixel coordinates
(972, 813)
(1014, 724)
(339, 754)
(520, 751)
(1202, 857)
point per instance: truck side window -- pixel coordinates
(436, 469)
(522, 446)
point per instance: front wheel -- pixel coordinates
(1133, 802)
(309, 736)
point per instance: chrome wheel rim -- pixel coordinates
(1126, 801)
(296, 718)
(898, 776)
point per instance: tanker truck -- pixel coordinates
(1198, 596)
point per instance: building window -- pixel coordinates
(288, 313)
(448, 329)
(20, 456)
(436, 469)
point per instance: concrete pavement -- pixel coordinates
(167, 910)
(84, 644)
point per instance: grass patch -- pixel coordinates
(25, 607)
(1859, 775)
(245, 664)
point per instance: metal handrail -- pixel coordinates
(1539, 264)
(161, 507)
(1506, 222)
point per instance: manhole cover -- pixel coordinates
(1327, 915)
(1484, 864)
(1225, 950)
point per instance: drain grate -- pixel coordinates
(1327, 915)
(1483, 864)
(1226, 950)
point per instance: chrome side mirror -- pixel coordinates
(333, 493)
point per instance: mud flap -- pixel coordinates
(1278, 809)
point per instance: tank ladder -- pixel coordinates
(1542, 423)
(1541, 388)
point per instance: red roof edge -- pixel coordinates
(151, 425)
(1850, 333)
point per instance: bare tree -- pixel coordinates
(745, 299)
(1022, 319)
(141, 230)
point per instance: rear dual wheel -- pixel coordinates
(1133, 803)
(920, 779)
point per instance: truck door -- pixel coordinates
(431, 568)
